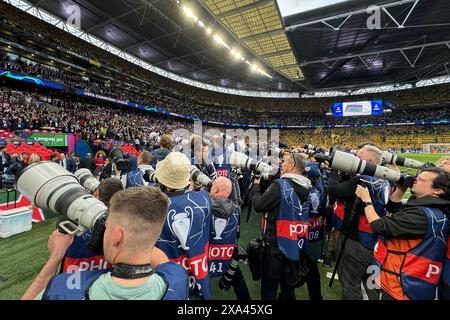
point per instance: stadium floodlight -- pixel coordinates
(209, 31)
(201, 24)
(188, 12)
(218, 39)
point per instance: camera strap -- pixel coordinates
(127, 271)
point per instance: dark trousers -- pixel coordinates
(385, 296)
(352, 270)
(240, 286)
(272, 278)
(313, 281)
(444, 292)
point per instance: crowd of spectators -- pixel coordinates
(23, 110)
(181, 98)
(102, 121)
(31, 110)
(189, 107)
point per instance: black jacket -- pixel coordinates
(88, 163)
(343, 187)
(106, 171)
(269, 202)
(408, 221)
(5, 160)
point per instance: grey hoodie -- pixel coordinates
(222, 207)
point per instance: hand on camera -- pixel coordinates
(58, 243)
(363, 193)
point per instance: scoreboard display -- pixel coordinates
(361, 108)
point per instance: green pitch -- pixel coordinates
(22, 257)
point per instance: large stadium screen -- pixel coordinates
(361, 108)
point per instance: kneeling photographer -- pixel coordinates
(285, 227)
(136, 217)
(413, 238)
(356, 239)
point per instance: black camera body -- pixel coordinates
(239, 255)
(123, 164)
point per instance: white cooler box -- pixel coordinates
(14, 221)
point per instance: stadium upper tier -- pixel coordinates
(20, 110)
(181, 105)
(78, 64)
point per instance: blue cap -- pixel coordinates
(312, 169)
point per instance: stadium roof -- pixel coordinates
(158, 32)
(328, 39)
(336, 48)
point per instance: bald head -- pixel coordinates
(221, 187)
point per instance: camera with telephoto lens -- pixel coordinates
(87, 180)
(154, 138)
(150, 176)
(196, 175)
(389, 158)
(259, 168)
(200, 178)
(116, 153)
(349, 163)
(311, 150)
(51, 187)
(238, 256)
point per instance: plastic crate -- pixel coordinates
(14, 221)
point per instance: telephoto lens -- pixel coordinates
(51, 187)
(242, 161)
(226, 280)
(389, 158)
(199, 177)
(349, 163)
(154, 138)
(150, 176)
(87, 180)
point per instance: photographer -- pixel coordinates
(282, 204)
(134, 223)
(88, 163)
(444, 294)
(15, 166)
(356, 239)
(444, 163)
(317, 207)
(224, 236)
(201, 158)
(5, 160)
(165, 145)
(185, 236)
(413, 239)
(78, 254)
(106, 171)
(136, 177)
